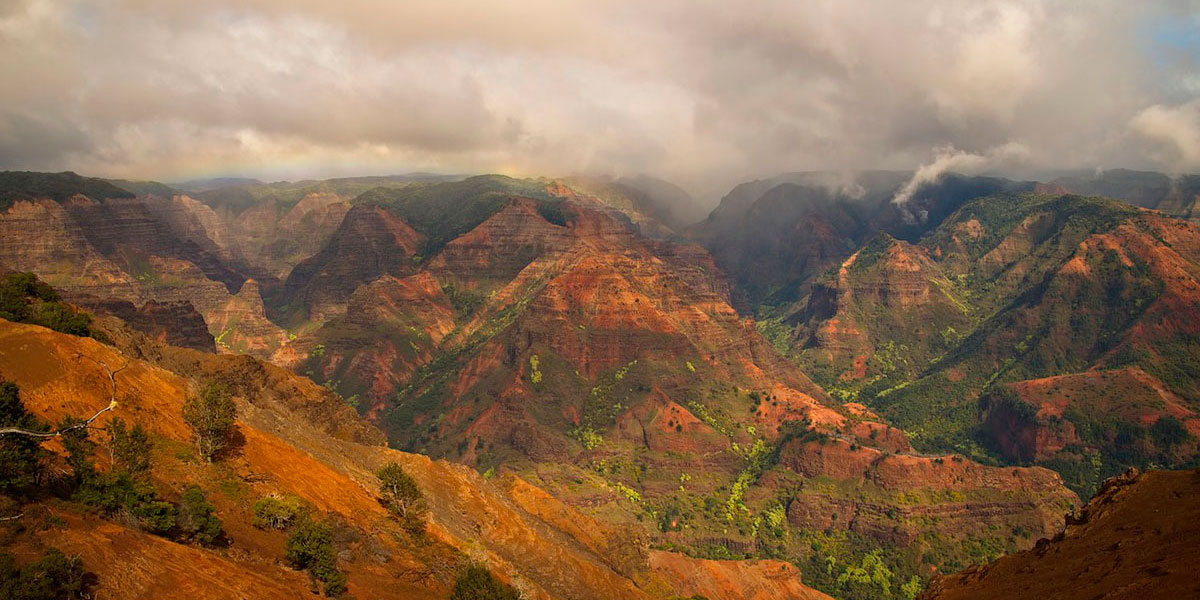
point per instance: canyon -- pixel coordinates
(765, 401)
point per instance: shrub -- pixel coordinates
(475, 582)
(311, 547)
(26, 299)
(54, 576)
(211, 414)
(197, 518)
(129, 448)
(1168, 432)
(117, 490)
(156, 516)
(20, 455)
(276, 513)
(62, 318)
(80, 448)
(402, 496)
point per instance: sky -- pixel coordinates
(705, 93)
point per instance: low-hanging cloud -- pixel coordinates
(946, 159)
(704, 92)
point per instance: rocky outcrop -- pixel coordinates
(1135, 539)
(903, 498)
(136, 250)
(732, 579)
(500, 247)
(174, 323)
(1053, 418)
(886, 311)
(370, 242)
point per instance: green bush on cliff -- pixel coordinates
(26, 299)
(197, 518)
(402, 497)
(475, 582)
(271, 512)
(211, 414)
(20, 456)
(310, 546)
(54, 576)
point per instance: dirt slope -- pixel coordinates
(280, 452)
(1136, 539)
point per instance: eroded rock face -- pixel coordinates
(904, 499)
(1039, 420)
(370, 242)
(1135, 539)
(498, 249)
(736, 580)
(137, 250)
(173, 323)
(889, 294)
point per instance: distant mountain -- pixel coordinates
(1178, 196)
(775, 236)
(59, 187)
(668, 202)
(214, 183)
(1054, 329)
(145, 188)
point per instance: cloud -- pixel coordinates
(1175, 130)
(948, 160)
(704, 92)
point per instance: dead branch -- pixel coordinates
(112, 378)
(12, 518)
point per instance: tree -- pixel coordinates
(197, 518)
(129, 448)
(20, 455)
(310, 546)
(80, 448)
(402, 496)
(63, 318)
(475, 582)
(276, 513)
(55, 576)
(211, 414)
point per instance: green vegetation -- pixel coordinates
(197, 519)
(850, 567)
(211, 415)
(16, 186)
(20, 456)
(402, 497)
(274, 512)
(464, 301)
(119, 491)
(446, 210)
(129, 449)
(475, 582)
(26, 299)
(310, 547)
(124, 489)
(54, 576)
(535, 376)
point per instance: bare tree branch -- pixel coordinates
(12, 518)
(112, 377)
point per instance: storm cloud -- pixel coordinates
(703, 92)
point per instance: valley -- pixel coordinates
(809, 392)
